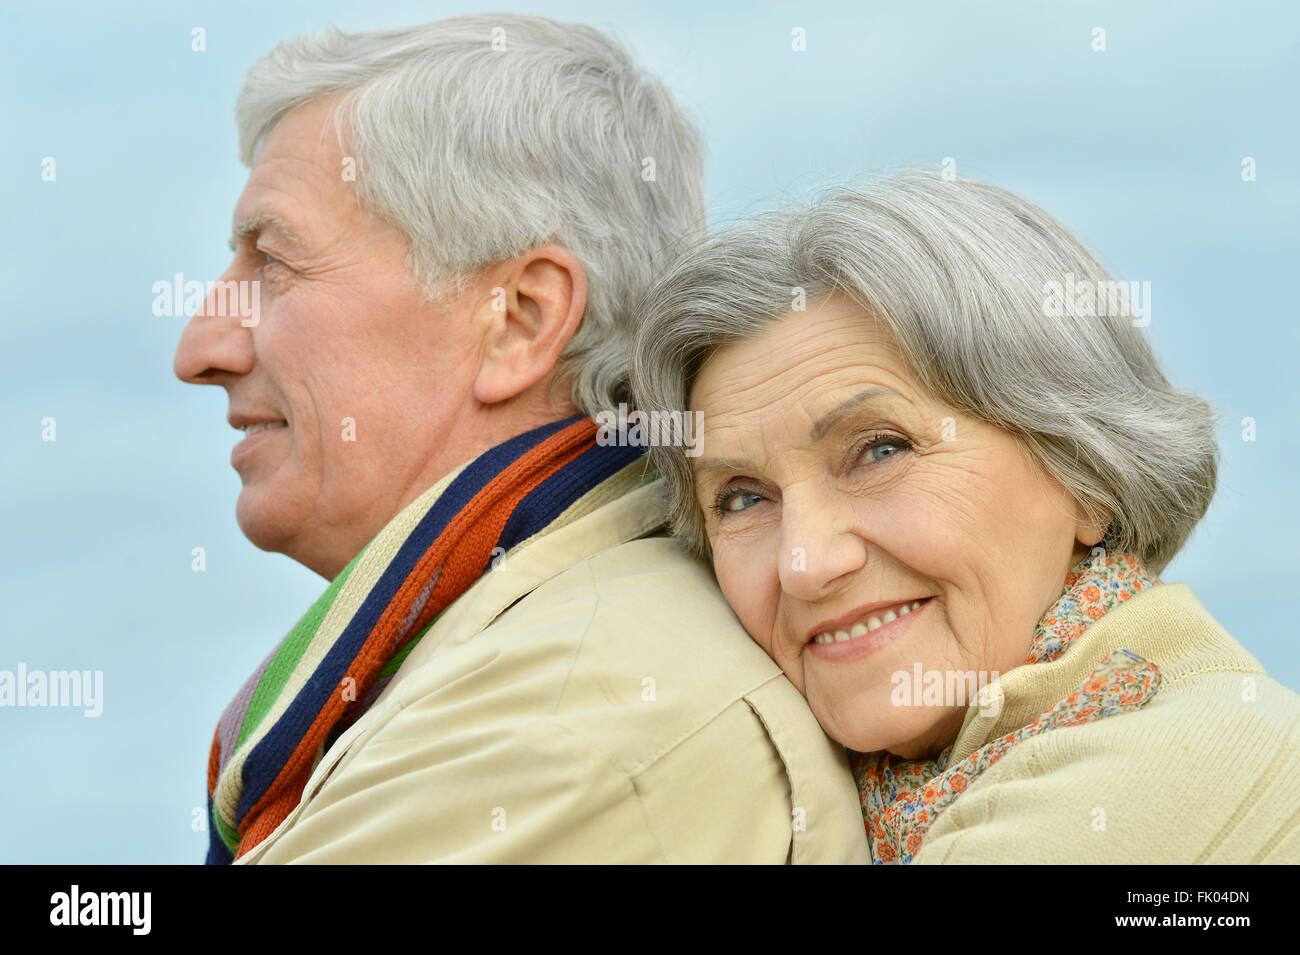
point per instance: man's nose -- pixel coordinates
(217, 341)
(820, 548)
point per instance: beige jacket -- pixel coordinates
(592, 699)
(1207, 771)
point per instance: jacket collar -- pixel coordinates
(632, 508)
(1166, 625)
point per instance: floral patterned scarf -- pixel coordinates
(901, 798)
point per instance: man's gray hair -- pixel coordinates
(962, 274)
(481, 137)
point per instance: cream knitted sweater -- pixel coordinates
(1207, 771)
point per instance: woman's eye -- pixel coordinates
(733, 501)
(880, 448)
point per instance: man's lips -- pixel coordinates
(243, 420)
(862, 620)
(261, 426)
(257, 430)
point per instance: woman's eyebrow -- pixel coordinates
(704, 465)
(707, 465)
(832, 417)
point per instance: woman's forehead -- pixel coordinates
(799, 360)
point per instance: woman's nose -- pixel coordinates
(820, 548)
(217, 341)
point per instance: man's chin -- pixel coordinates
(264, 524)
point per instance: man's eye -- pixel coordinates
(270, 259)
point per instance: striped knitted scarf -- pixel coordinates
(333, 664)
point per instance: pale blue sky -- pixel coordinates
(1138, 149)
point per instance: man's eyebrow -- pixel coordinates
(253, 225)
(832, 417)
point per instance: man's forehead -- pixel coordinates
(282, 197)
(295, 175)
(308, 132)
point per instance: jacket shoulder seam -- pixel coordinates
(739, 697)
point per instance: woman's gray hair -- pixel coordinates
(965, 277)
(481, 137)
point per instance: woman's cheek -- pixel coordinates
(743, 588)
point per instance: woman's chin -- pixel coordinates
(906, 739)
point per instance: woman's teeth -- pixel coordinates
(872, 623)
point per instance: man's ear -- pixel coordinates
(530, 314)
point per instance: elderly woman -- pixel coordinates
(940, 473)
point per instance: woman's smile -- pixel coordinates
(864, 630)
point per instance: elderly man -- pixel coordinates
(449, 226)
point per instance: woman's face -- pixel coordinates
(836, 492)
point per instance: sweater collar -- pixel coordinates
(1069, 644)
